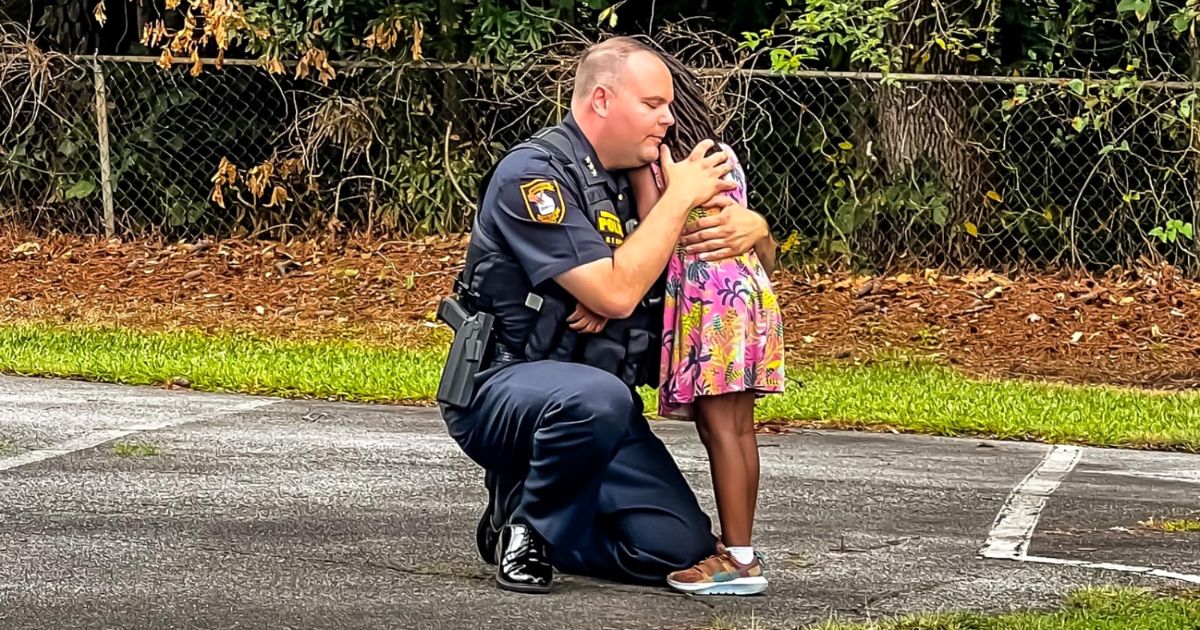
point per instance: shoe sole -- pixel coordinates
(521, 588)
(739, 586)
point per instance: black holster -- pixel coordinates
(468, 351)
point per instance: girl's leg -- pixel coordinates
(717, 424)
(723, 424)
(749, 443)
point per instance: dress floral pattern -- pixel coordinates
(722, 325)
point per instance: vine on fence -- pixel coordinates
(1097, 168)
(1114, 102)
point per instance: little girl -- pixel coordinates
(722, 347)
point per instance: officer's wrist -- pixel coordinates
(764, 229)
(674, 199)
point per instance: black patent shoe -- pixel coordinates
(503, 495)
(523, 564)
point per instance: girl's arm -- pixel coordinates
(645, 190)
(765, 249)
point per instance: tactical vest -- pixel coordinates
(531, 321)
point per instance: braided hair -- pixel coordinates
(693, 117)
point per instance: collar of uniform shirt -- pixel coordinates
(573, 127)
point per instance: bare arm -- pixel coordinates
(612, 287)
(645, 190)
(764, 248)
(735, 230)
(732, 232)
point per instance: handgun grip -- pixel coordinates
(452, 313)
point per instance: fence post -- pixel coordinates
(105, 164)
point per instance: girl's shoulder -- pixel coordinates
(733, 157)
(737, 174)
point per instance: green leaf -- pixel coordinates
(81, 189)
(1076, 86)
(67, 148)
(939, 215)
(1139, 8)
(1186, 230)
(1143, 10)
(845, 219)
(1158, 232)
(1180, 22)
(1078, 124)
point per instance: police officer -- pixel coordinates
(576, 479)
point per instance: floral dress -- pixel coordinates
(722, 326)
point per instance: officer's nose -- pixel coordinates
(668, 118)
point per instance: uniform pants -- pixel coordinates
(569, 444)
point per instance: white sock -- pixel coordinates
(744, 555)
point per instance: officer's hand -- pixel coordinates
(698, 178)
(584, 320)
(732, 232)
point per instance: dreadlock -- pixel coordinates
(693, 118)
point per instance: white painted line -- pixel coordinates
(1186, 577)
(96, 438)
(156, 397)
(1018, 517)
(1181, 476)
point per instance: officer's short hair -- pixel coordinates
(603, 64)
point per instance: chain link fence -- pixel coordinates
(906, 172)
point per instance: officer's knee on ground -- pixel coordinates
(673, 545)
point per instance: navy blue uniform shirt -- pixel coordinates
(535, 206)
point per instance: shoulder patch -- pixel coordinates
(543, 200)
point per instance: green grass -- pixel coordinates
(1089, 609)
(923, 398)
(895, 394)
(222, 362)
(134, 449)
(1174, 526)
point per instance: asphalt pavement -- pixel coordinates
(248, 512)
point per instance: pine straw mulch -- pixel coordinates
(1128, 327)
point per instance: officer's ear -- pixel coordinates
(602, 100)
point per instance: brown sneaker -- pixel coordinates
(720, 574)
